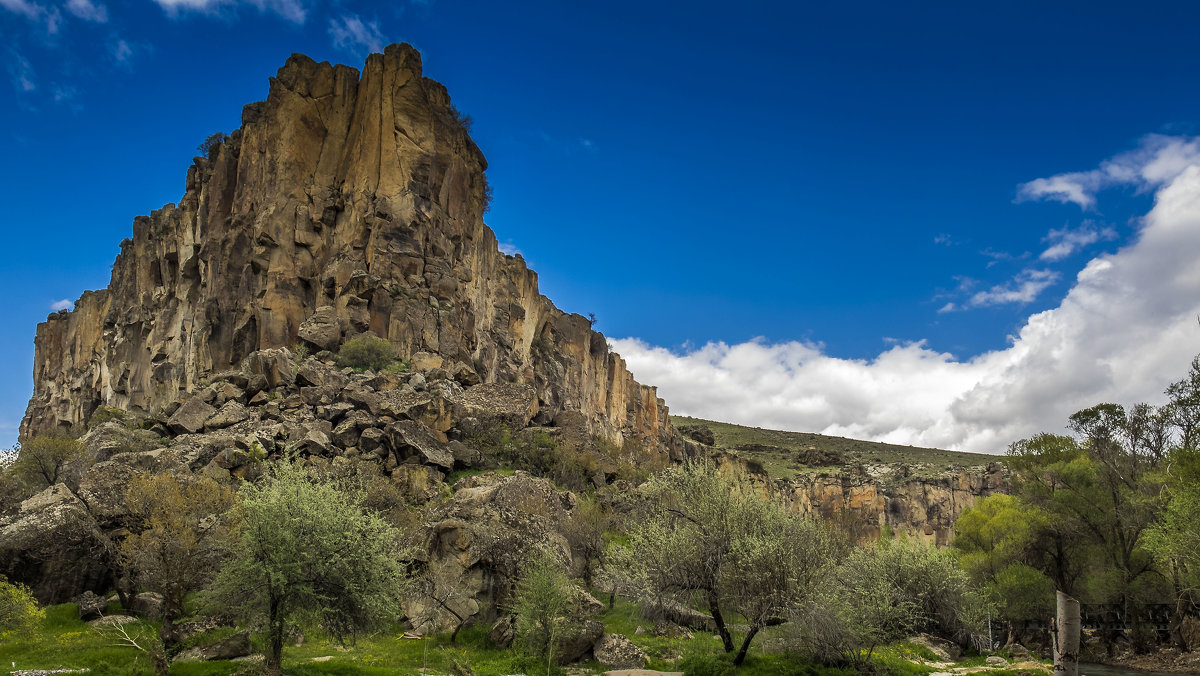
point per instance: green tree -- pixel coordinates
(716, 536)
(542, 606)
(309, 551)
(19, 611)
(179, 533)
(46, 460)
(994, 538)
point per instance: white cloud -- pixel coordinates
(509, 248)
(1023, 288)
(1065, 242)
(51, 18)
(1157, 160)
(122, 51)
(1126, 328)
(21, 71)
(351, 33)
(63, 304)
(292, 10)
(88, 11)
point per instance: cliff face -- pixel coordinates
(359, 195)
(864, 505)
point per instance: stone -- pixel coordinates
(947, 651)
(234, 646)
(229, 415)
(91, 606)
(512, 403)
(112, 621)
(425, 361)
(148, 605)
(996, 661)
(274, 366)
(699, 433)
(51, 544)
(190, 417)
(576, 645)
(409, 440)
(617, 651)
(321, 329)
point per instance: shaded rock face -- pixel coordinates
(345, 203)
(864, 504)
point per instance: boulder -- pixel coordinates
(273, 366)
(112, 621)
(618, 652)
(229, 415)
(321, 329)
(578, 644)
(53, 545)
(91, 606)
(148, 605)
(699, 433)
(190, 417)
(512, 403)
(410, 441)
(237, 645)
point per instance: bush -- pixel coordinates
(19, 611)
(46, 460)
(103, 414)
(367, 351)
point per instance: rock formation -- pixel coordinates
(345, 204)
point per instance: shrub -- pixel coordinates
(367, 351)
(209, 146)
(103, 414)
(45, 460)
(19, 611)
(543, 607)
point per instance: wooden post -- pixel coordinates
(1065, 633)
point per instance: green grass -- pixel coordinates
(783, 461)
(63, 641)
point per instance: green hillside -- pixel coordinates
(784, 454)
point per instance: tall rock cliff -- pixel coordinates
(345, 203)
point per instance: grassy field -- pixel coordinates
(63, 641)
(788, 451)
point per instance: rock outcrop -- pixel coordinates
(346, 203)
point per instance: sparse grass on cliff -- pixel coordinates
(784, 457)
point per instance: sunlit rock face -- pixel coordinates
(347, 202)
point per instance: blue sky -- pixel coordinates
(862, 218)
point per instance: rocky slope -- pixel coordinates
(345, 203)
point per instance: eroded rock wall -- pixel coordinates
(360, 192)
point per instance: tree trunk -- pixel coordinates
(741, 656)
(274, 660)
(1066, 636)
(714, 607)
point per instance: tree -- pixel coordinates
(718, 537)
(209, 146)
(309, 551)
(45, 459)
(993, 539)
(179, 532)
(542, 606)
(19, 611)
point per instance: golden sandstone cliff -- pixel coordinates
(346, 203)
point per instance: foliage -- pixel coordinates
(309, 551)
(716, 536)
(584, 530)
(542, 606)
(706, 664)
(179, 532)
(882, 593)
(366, 352)
(47, 459)
(19, 611)
(103, 414)
(209, 146)
(993, 538)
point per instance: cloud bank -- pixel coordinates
(1127, 327)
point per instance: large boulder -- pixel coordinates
(190, 417)
(321, 329)
(475, 544)
(618, 652)
(412, 442)
(237, 645)
(269, 369)
(512, 403)
(54, 546)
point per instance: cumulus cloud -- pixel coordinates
(1066, 241)
(49, 17)
(1126, 328)
(61, 305)
(509, 248)
(292, 10)
(352, 33)
(88, 11)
